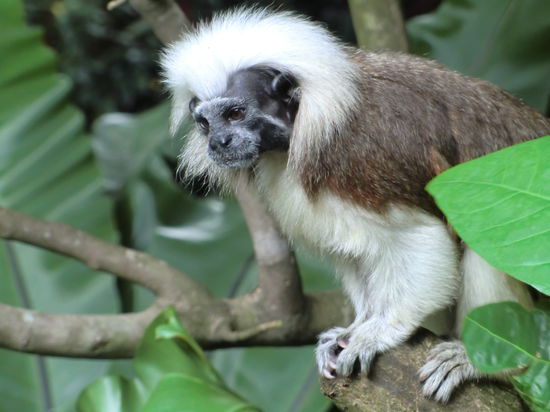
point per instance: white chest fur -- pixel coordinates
(328, 224)
(388, 262)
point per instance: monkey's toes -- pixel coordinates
(331, 343)
(446, 367)
(355, 354)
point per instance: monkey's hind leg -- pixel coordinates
(447, 364)
(446, 367)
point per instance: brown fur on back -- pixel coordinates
(416, 119)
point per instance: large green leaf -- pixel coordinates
(168, 348)
(291, 370)
(173, 374)
(176, 392)
(113, 393)
(500, 206)
(503, 41)
(505, 336)
(47, 170)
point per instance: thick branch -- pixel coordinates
(214, 322)
(394, 386)
(165, 17)
(378, 24)
(117, 336)
(280, 287)
(97, 336)
(129, 264)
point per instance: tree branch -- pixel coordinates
(378, 24)
(165, 17)
(213, 322)
(92, 336)
(125, 263)
(394, 386)
(280, 286)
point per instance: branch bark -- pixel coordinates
(394, 386)
(125, 263)
(165, 17)
(280, 286)
(93, 336)
(378, 24)
(215, 323)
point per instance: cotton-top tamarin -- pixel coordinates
(341, 144)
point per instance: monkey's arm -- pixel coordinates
(408, 272)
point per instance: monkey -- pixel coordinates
(340, 144)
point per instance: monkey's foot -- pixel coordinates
(446, 367)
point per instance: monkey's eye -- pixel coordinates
(202, 124)
(236, 114)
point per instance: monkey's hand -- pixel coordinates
(331, 343)
(340, 349)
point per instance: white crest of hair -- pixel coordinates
(200, 63)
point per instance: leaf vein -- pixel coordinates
(519, 349)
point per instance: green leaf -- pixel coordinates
(47, 170)
(172, 330)
(112, 394)
(173, 374)
(125, 143)
(177, 392)
(504, 336)
(499, 204)
(175, 352)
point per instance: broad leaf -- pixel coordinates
(505, 336)
(113, 393)
(167, 348)
(500, 205)
(173, 374)
(177, 392)
(47, 170)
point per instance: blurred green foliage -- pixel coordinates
(111, 57)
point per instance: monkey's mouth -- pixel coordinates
(234, 159)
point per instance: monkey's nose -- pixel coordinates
(220, 142)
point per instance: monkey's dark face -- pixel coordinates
(254, 115)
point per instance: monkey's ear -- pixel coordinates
(283, 86)
(193, 104)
